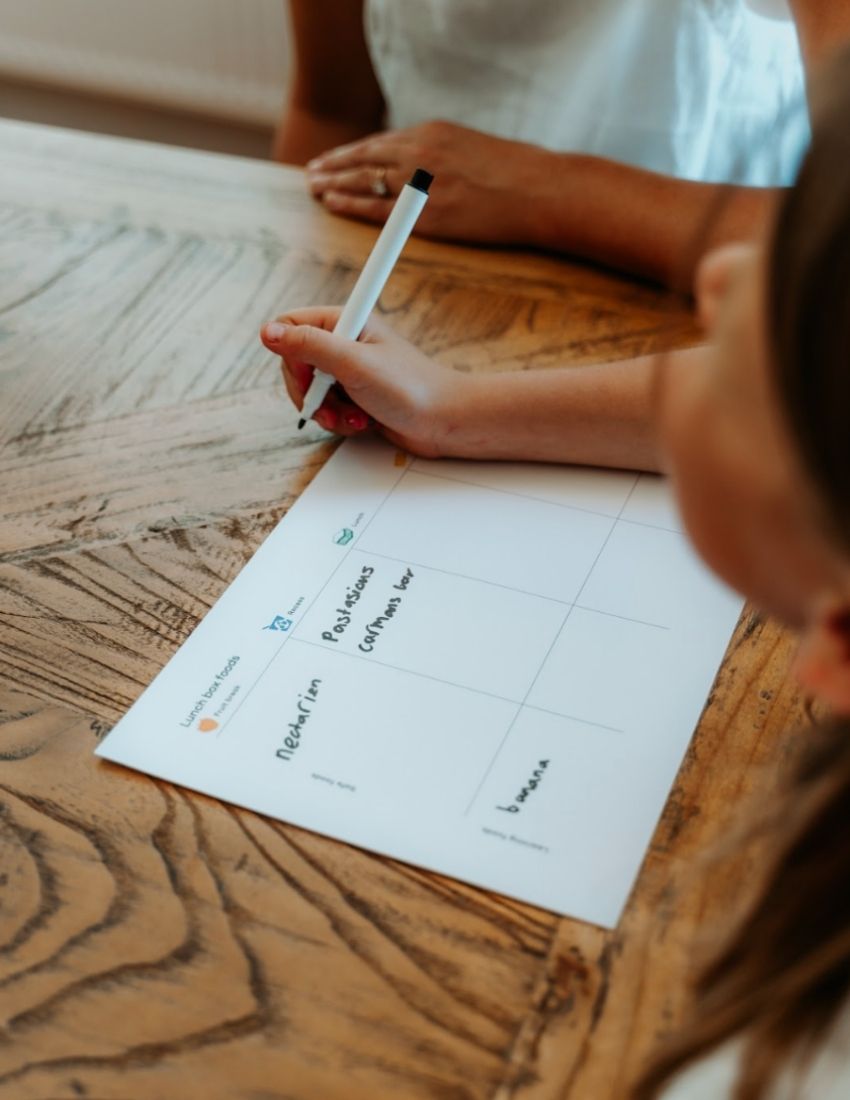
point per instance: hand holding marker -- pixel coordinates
(373, 278)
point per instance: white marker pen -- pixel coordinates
(373, 278)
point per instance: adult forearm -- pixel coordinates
(333, 95)
(303, 134)
(635, 220)
(822, 26)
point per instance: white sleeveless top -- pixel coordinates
(690, 88)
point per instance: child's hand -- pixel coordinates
(386, 383)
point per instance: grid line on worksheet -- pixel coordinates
(330, 577)
(506, 587)
(454, 684)
(615, 521)
(355, 548)
(560, 631)
(547, 500)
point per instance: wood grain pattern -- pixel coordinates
(158, 944)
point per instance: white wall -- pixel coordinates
(223, 58)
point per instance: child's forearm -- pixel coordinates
(601, 415)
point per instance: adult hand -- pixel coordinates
(385, 384)
(480, 182)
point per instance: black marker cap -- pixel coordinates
(421, 180)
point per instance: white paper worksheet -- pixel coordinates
(489, 670)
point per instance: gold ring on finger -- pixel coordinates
(379, 185)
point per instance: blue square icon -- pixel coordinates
(279, 623)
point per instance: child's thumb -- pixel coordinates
(308, 344)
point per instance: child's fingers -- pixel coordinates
(319, 317)
(304, 343)
(297, 381)
(305, 348)
(337, 413)
(324, 317)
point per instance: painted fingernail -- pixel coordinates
(275, 330)
(356, 420)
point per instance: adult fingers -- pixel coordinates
(374, 149)
(366, 207)
(357, 181)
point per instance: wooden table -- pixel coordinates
(155, 943)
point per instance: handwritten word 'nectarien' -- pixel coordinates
(295, 729)
(531, 785)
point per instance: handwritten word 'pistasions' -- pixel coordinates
(295, 729)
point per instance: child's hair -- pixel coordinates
(785, 977)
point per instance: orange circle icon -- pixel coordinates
(207, 725)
